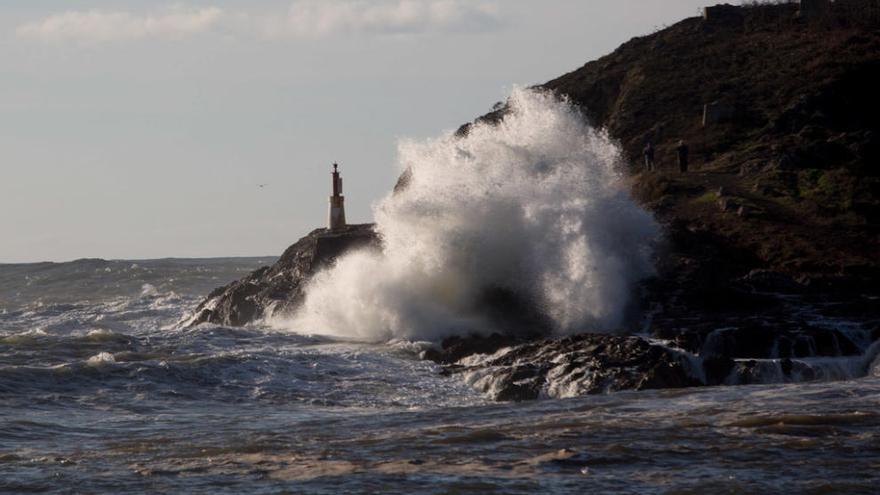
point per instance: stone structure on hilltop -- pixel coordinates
(813, 8)
(719, 12)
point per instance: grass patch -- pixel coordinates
(707, 197)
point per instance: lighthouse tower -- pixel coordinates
(337, 202)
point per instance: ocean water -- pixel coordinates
(102, 392)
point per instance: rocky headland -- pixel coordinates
(771, 250)
(278, 289)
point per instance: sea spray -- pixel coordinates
(534, 208)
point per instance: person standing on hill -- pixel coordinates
(648, 152)
(682, 150)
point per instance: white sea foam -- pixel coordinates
(535, 206)
(101, 359)
(149, 290)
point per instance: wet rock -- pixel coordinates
(717, 369)
(763, 341)
(747, 342)
(455, 348)
(865, 307)
(772, 282)
(570, 366)
(278, 289)
(840, 284)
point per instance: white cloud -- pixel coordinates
(322, 18)
(97, 25)
(304, 18)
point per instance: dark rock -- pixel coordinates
(403, 181)
(513, 314)
(839, 284)
(766, 341)
(771, 281)
(717, 369)
(717, 112)
(278, 289)
(569, 366)
(754, 167)
(453, 349)
(861, 308)
(728, 204)
(753, 341)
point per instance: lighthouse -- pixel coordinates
(337, 202)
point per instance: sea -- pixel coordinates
(103, 391)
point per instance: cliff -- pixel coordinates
(779, 211)
(792, 135)
(786, 163)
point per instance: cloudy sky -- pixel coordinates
(143, 129)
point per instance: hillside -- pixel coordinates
(776, 222)
(800, 148)
(795, 143)
(772, 236)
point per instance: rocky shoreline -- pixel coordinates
(278, 289)
(770, 257)
(764, 328)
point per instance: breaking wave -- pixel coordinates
(532, 209)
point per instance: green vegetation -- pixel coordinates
(798, 144)
(708, 197)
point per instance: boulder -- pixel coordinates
(566, 367)
(777, 339)
(278, 289)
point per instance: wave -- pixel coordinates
(39, 285)
(532, 211)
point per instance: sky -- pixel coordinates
(133, 129)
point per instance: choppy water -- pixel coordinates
(100, 392)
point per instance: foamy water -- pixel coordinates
(101, 392)
(535, 207)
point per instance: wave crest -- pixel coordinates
(532, 210)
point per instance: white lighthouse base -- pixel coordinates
(337, 213)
